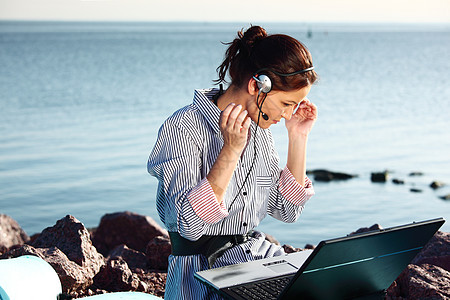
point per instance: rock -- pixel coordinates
(22, 250)
(367, 229)
(134, 259)
(414, 190)
(326, 176)
(436, 251)
(398, 181)
(116, 276)
(379, 176)
(71, 237)
(126, 270)
(73, 277)
(436, 184)
(310, 247)
(445, 197)
(291, 249)
(272, 239)
(421, 282)
(428, 275)
(68, 249)
(127, 228)
(153, 283)
(158, 251)
(416, 173)
(11, 233)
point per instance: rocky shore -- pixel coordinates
(324, 175)
(128, 252)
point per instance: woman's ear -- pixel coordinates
(252, 86)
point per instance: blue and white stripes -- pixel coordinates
(187, 146)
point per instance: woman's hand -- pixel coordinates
(234, 125)
(302, 119)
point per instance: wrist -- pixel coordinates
(298, 136)
(230, 153)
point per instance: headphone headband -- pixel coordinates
(285, 74)
(265, 83)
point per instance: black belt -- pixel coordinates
(210, 246)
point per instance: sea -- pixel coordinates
(81, 104)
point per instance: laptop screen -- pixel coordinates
(360, 264)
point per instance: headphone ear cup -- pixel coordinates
(264, 83)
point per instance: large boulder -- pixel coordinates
(74, 278)
(421, 282)
(11, 233)
(428, 275)
(436, 251)
(126, 228)
(71, 237)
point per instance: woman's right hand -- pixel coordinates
(234, 125)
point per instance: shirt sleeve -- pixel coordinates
(288, 198)
(204, 203)
(186, 202)
(293, 191)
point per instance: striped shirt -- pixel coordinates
(187, 146)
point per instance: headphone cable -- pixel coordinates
(253, 160)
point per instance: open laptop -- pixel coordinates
(359, 266)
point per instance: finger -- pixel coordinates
(225, 114)
(304, 103)
(312, 107)
(311, 111)
(233, 115)
(240, 119)
(246, 125)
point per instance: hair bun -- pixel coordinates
(251, 36)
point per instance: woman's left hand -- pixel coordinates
(303, 119)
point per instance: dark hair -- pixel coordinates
(254, 50)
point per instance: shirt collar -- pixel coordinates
(203, 100)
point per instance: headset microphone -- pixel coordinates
(265, 117)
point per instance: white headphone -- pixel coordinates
(263, 82)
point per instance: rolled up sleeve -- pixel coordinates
(293, 191)
(205, 204)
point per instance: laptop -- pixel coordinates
(358, 266)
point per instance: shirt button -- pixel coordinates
(244, 224)
(244, 193)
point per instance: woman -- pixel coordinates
(216, 163)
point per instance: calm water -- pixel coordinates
(81, 103)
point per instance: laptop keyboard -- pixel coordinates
(269, 289)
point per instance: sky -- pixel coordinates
(377, 11)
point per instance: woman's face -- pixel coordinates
(280, 104)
